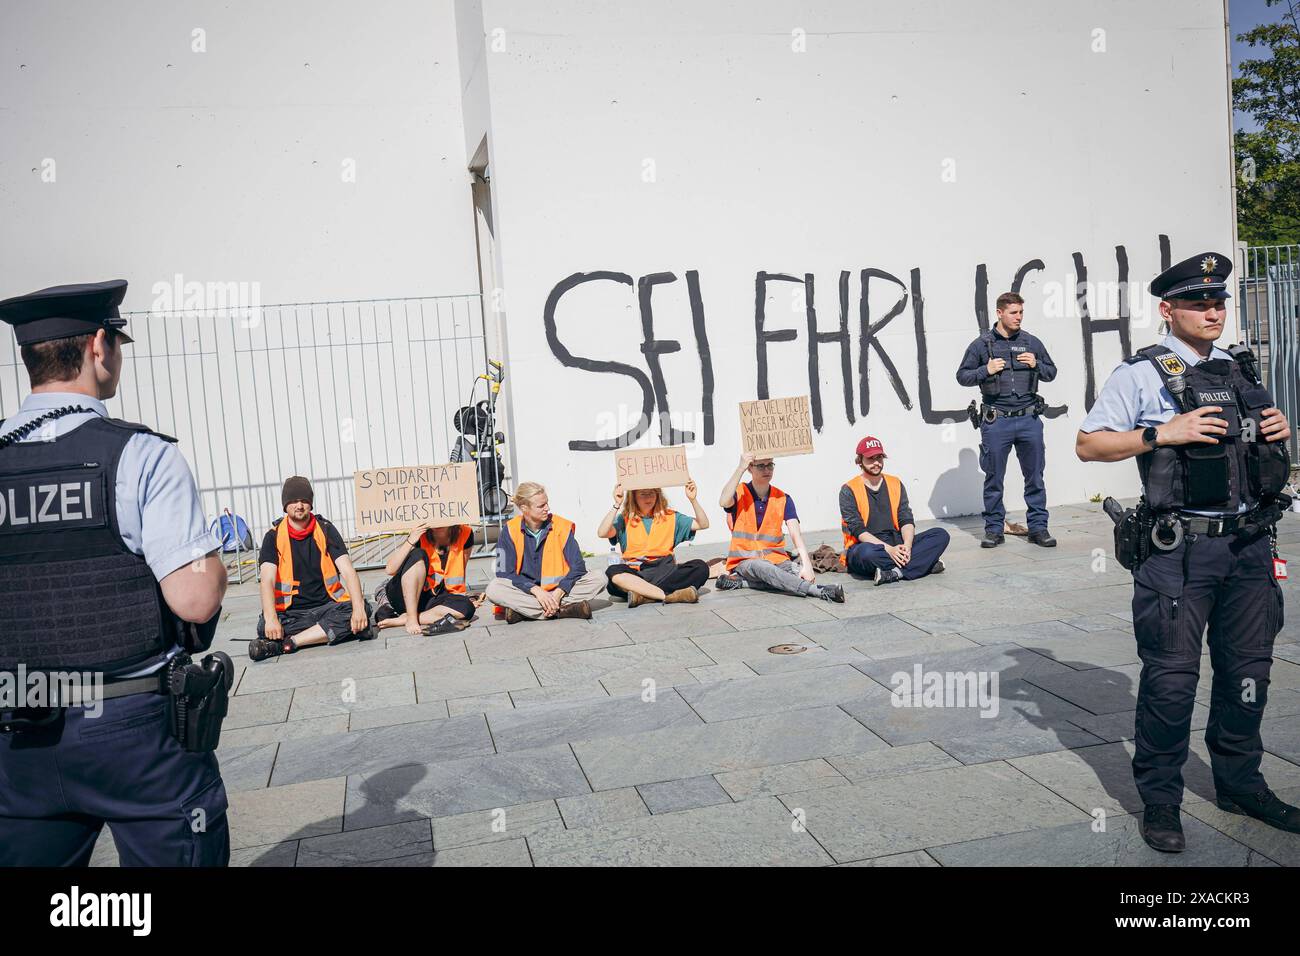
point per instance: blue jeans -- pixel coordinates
(927, 547)
(996, 441)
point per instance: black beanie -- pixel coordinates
(296, 488)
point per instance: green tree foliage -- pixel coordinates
(1268, 159)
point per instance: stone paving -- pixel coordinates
(541, 744)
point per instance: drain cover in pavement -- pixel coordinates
(787, 649)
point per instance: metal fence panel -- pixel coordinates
(1269, 314)
(320, 389)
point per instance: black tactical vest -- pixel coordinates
(1016, 384)
(72, 596)
(1241, 468)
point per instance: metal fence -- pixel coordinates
(1269, 312)
(320, 389)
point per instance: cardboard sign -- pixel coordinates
(399, 499)
(770, 427)
(651, 467)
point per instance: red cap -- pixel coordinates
(870, 447)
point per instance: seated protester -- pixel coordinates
(428, 573)
(540, 571)
(304, 602)
(880, 537)
(647, 531)
(757, 558)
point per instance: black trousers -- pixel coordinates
(335, 617)
(665, 574)
(427, 598)
(1227, 585)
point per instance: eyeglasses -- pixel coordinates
(764, 467)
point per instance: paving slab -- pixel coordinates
(483, 704)
(277, 854)
(808, 660)
(535, 696)
(674, 795)
(960, 618)
(506, 853)
(1081, 844)
(732, 670)
(621, 663)
(496, 824)
(473, 680)
(908, 758)
(376, 748)
(280, 814)
(895, 814)
(1271, 843)
(247, 710)
(588, 720)
(247, 766)
(606, 806)
(376, 844)
(532, 638)
(685, 622)
(749, 742)
(915, 858)
(818, 687)
(461, 786)
(738, 647)
(287, 730)
(753, 833)
(347, 695)
(782, 778)
(405, 714)
(1101, 690)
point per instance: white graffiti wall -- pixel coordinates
(699, 204)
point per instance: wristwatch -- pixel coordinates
(1150, 436)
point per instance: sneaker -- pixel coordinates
(938, 568)
(578, 609)
(260, 648)
(683, 596)
(832, 592)
(1263, 806)
(888, 576)
(1162, 828)
(636, 600)
(729, 582)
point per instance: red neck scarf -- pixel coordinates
(305, 532)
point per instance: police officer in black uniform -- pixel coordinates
(1212, 454)
(108, 580)
(1007, 363)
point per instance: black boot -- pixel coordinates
(1042, 539)
(991, 539)
(1162, 828)
(1263, 806)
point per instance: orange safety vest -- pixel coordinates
(643, 546)
(554, 564)
(453, 575)
(859, 486)
(748, 540)
(286, 585)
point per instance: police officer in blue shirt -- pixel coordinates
(108, 576)
(1007, 363)
(1212, 454)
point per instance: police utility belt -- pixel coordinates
(988, 414)
(197, 697)
(1141, 531)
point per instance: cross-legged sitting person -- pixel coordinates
(427, 591)
(647, 531)
(880, 538)
(310, 591)
(757, 511)
(540, 570)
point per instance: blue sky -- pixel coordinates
(1242, 15)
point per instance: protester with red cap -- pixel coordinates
(880, 538)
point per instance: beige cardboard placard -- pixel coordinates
(651, 467)
(398, 499)
(772, 427)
